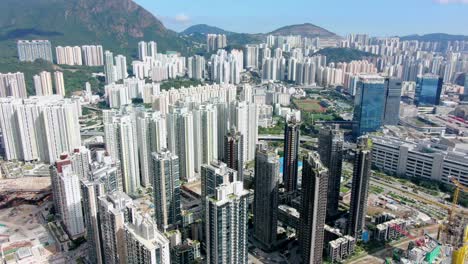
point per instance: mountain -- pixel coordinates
(305, 30)
(205, 29)
(116, 24)
(435, 37)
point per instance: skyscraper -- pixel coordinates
(369, 104)
(166, 189)
(331, 154)
(313, 208)
(43, 83)
(112, 209)
(151, 130)
(67, 196)
(244, 117)
(121, 143)
(360, 187)
(215, 42)
(13, 84)
(251, 55)
(213, 175)
(180, 141)
(233, 156)
(196, 67)
(226, 224)
(92, 55)
(59, 83)
(34, 49)
(38, 128)
(144, 243)
(266, 196)
(103, 178)
(291, 150)
(120, 67)
(109, 68)
(62, 128)
(428, 90)
(392, 101)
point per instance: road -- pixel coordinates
(426, 198)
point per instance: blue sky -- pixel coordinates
(376, 17)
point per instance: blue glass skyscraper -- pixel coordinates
(428, 89)
(369, 104)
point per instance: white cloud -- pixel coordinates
(182, 18)
(445, 2)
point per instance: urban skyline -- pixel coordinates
(293, 147)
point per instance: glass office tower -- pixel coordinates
(428, 89)
(369, 104)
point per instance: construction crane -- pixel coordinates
(459, 256)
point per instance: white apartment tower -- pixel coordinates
(67, 195)
(59, 83)
(13, 84)
(226, 224)
(181, 140)
(43, 83)
(121, 143)
(145, 244)
(112, 209)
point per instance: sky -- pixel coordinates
(375, 17)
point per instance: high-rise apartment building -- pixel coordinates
(369, 104)
(121, 143)
(392, 101)
(251, 56)
(38, 128)
(92, 55)
(112, 208)
(59, 83)
(34, 49)
(67, 196)
(291, 152)
(266, 196)
(226, 224)
(244, 117)
(13, 84)
(144, 243)
(196, 67)
(213, 175)
(43, 83)
(120, 67)
(147, 49)
(330, 149)
(215, 42)
(103, 178)
(181, 141)
(68, 55)
(360, 187)
(313, 209)
(151, 130)
(61, 127)
(233, 152)
(428, 90)
(109, 67)
(166, 188)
